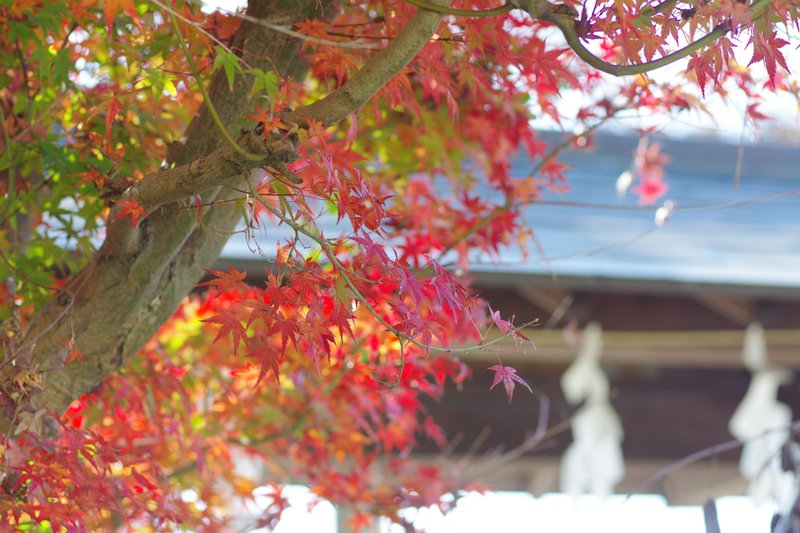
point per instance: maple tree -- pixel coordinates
(138, 136)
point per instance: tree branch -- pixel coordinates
(206, 99)
(226, 164)
(648, 12)
(554, 14)
(567, 28)
(219, 168)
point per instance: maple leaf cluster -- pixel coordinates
(319, 371)
(194, 415)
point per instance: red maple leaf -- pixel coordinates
(508, 376)
(767, 49)
(360, 520)
(755, 114)
(270, 120)
(232, 279)
(272, 514)
(130, 207)
(113, 108)
(94, 176)
(268, 359)
(506, 326)
(229, 324)
(112, 8)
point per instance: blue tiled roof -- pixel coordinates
(719, 233)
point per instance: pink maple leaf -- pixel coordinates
(504, 325)
(508, 376)
(507, 327)
(766, 48)
(649, 190)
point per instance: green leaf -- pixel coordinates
(283, 194)
(644, 20)
(62, 64)
(268, 82)
(161, 82)
(20, 31)
(344, 293)
(228, 61)
(50, 17)
(105, 166)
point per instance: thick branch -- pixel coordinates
(218, 168)
(567, 28)
(559, 16)
(227, 163)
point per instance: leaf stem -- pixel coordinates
(648, 12)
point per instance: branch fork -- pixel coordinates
(276, 149)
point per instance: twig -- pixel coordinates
(509, 203)
(703, 454)
(198, 27)
(381, 68)
(12, 174)
(21, 275)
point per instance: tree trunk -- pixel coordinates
(138, 278)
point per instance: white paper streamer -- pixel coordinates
(761, 422)
(593, 463)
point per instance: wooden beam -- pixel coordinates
(555, 302)
(666, 414)
(671, 349)
(736, 310)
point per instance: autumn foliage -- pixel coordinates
(367, 161)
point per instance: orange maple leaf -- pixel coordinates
(111, 8)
